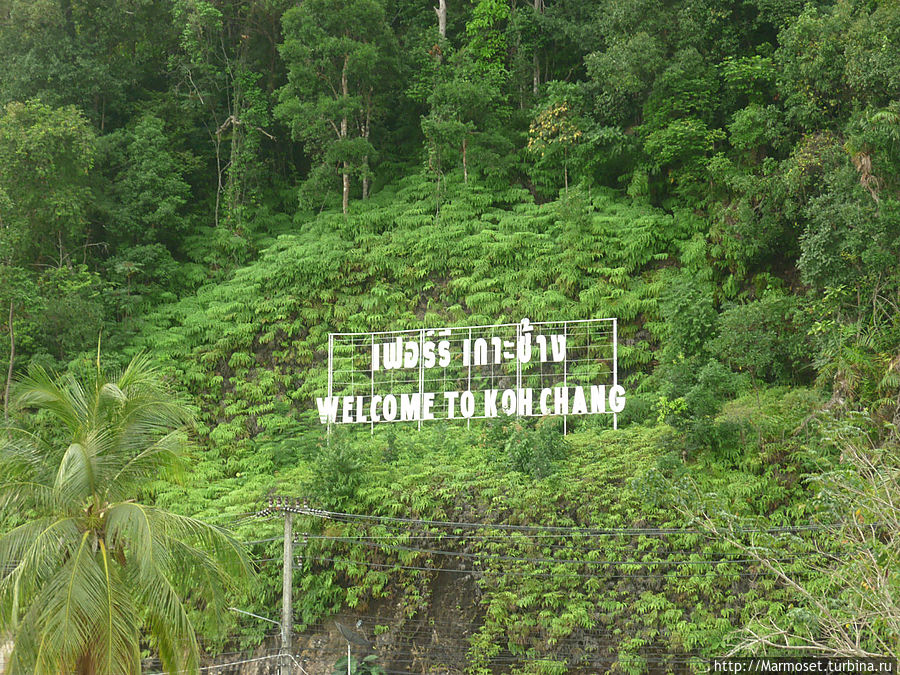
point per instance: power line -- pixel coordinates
(218, 665)
(429, 622)
(577, 646)
(505, 558)
(262, 541)
(391, 656)
(487, 539)
(591, 531)
(570, 530)
(564, 647)
(529, 573)
(575, 657)
(200, 639)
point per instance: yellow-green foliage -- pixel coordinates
(252, 350)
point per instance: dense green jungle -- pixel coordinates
(214, 186)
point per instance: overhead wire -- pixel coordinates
(581, 647)
(591, 531)
(530, 573)
(482, 556)
(393, 657)
(487, 539)
(218, 665)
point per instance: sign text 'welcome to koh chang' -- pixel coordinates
(473, 372)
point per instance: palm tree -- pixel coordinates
(88, 572)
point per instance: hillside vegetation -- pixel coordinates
(221, 183)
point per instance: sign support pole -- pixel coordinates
(372, 377)
(566, 377)
(469, 381)
(518, 369)
(615, 360)
(330, 377)
(421, 376)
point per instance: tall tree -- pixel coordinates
(226, 46)
(100, 55)
(466, 94)
(151, 189)
(92, 569)
(45, 156)
(441, 11)
(337, 55)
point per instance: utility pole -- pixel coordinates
(287, 507)
(286, 613)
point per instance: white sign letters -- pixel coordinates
(473, 372)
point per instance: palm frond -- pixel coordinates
(32, 551)
(64, 397)
(170, 627)
(93, 570)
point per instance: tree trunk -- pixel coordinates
(85, 665)
(218, 142)
(536, 79)
(234, 186)
(465, 144)
(365, 134)
(441, 11)
(345, 197)
(9, 372)
(345, 176)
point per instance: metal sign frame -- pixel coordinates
(590, 345)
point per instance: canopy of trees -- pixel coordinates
(220, 183)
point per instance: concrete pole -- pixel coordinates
(286, 613)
